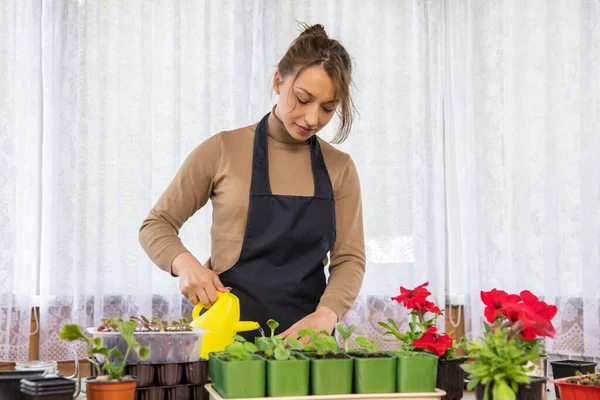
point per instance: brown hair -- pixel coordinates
(314, 47)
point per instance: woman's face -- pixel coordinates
(307, 104)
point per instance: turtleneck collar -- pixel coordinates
(278, 132)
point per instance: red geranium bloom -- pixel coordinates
(433, 342)
(495, 300)
(414, 298)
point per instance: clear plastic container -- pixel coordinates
(165, 347)
(50, 367)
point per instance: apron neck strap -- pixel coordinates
(260, 164)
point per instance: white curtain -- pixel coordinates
(523, 136)
(399, 151)
(130, 88)
(20, 132)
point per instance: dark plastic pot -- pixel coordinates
(144, 372)
(10, 382)
(451, 377)
(169, 374)
(536, 390)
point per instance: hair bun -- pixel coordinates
(313, 30)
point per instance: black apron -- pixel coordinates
(280, 273)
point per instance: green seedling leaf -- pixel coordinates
(281, 353)
(345, 333)
(144, 353)
(72, 332)
(249, 346)
(369, 345)
(295, 344)
(307, 332)
(273, 325)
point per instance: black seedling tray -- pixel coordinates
(170, 381)
(169, 374)
(10, 382)
(49, 388)
(175, 392)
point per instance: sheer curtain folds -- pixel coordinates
(20, 157)
(523, 134)
(130, 88)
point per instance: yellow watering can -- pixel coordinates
(222, 321)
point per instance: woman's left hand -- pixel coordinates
(324, 318)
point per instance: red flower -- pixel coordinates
(429, 306)
(433, 342)
(533, 324)
(414, 298)
(541, 308)
(537, 319)
(495, 300)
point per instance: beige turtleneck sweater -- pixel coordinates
(220, 169)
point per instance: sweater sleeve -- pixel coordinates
(347, 257)
(189, 190)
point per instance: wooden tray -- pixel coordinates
(383, 396)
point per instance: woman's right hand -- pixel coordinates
(196, 282)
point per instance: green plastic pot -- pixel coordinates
(417, 372)
(331, 376)
(289, 377)
(237, 379)
(374, 374)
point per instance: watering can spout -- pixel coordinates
(244, 326)
(222, 321)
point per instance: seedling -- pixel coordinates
(392, 329)
(145, 325)
(585, 380)
(345, 333)
(73, 332)
(240, 349)
(369, 345)
(322, 343)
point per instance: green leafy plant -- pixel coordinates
(369, 345)
(501, 360)
(265, 341)
(345, 333)
(503, 355)
(459, 348)
(240, 349)
(322, 343)
(73, 332)
(275, 346)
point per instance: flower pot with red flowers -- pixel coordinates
(502, 357)
(422, 345)
(581, 387)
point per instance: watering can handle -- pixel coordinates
(199, 306)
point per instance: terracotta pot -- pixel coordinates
(104, 390)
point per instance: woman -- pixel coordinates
(282, 199)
